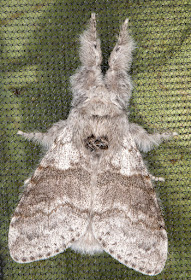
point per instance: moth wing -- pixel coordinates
(54, 209)
(127, 220)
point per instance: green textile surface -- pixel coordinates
(39, 45)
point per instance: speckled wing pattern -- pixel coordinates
(51, 214)
(127, 221)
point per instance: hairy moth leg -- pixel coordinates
(116, 79)
(45, 139)
(121, 56)
(146, 141)
(154, 178)
(89, 74)
(90, 51)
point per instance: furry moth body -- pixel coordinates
(92, 191)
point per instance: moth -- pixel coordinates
(92, 191)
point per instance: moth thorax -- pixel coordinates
(94, 143)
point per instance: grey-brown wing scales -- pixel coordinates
(54, 209)
(127, 221)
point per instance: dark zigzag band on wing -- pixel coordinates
(47, 216)
(130, 216)
(25, 245)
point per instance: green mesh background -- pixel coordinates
(39, 52)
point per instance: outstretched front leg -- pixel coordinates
(89, 74)
(45, 139)
(146, 141)
(117, 80)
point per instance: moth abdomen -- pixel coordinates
(94, 143)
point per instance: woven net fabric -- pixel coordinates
(39, 52)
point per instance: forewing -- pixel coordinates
(54, 209)
(127, 220)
